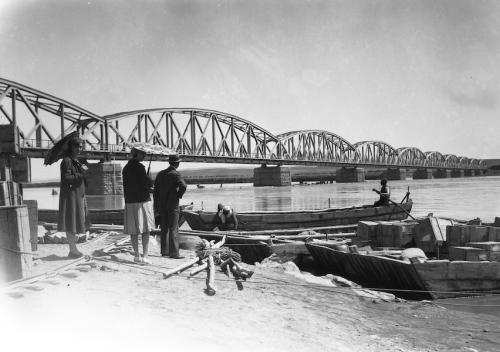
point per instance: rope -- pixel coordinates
(328, 289)
(15, 250)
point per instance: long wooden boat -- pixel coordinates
(101, 216)
(255, 246)
(268, 220)
(420, 280)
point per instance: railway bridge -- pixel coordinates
(31, 121)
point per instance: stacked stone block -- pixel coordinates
(271, 176)
(104, 179)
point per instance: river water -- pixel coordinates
(460, 198)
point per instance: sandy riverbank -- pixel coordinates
(124, 308)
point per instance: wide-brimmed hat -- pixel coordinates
(174, 158)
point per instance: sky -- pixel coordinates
(423, 74)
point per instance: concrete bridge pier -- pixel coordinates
(422, 174)
(393, 174)
(442, 173)
(470, 173)
(271, 176)
(350, 174)
(104, 178)
(457, 173)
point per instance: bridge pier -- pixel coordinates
(104, 179)
(422, 174)
(442, 173)
(271, 176)
(350, 174)
(470, 173)
(393, 174)
(457, 173)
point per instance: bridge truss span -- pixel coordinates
(195, 133)
(41, 119)
(316, 146)
(377, 153)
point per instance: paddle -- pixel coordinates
(393, 202)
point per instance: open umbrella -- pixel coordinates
(152, 149)
(59, 149)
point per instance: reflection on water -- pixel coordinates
(462, 198)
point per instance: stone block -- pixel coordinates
(272, 176)
(350, 174)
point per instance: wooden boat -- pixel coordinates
(417, 280)
(269, 220)
(254, 246)
(101, 216)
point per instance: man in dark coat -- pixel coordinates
(168, 189)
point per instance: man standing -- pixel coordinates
(139, 219)
(168, 189)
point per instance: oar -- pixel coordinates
(397, 204)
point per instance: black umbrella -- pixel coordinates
(60, 148)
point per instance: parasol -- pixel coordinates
(152, 149)
(59, 149)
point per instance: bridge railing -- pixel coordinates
(40, 146)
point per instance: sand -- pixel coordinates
(121, 307)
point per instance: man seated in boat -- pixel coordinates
(225, 219)
(385, 194)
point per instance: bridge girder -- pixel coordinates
(411, 156)
(193, 131)
(434, 159)
(376, 152)
(198, 134)
(317, 145)
(42, 119)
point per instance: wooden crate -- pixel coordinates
(467, 254)
(32, 206)
(16, 260)
(10, 193)
(367, 231)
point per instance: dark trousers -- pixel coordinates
(169, 226)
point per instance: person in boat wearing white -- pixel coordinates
(385, 194)
(139, 215)
(225, 219)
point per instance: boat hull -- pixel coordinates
(102, 216)
(269, 220)
(429, 280)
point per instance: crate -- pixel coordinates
(367, 231)
(10, 193)
(470, 254)
(431, 232)
(32, 206)
(16, 260)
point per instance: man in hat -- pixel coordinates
(169, 187)
(139, 218)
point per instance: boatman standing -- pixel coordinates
(169, 187)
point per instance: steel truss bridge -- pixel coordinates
(198, 135)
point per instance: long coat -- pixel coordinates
(168, 189)
(72, 204)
